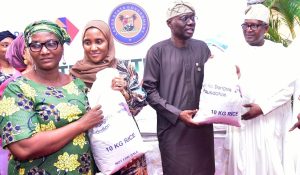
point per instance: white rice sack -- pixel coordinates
(117, 140)
(220, 99)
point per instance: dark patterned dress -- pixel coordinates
(137, 93)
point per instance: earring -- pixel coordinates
(26, 62)
(34, 67)
(63, 60)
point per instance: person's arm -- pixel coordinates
(279, 98)
(151, 85)
(48, 142)
(297, 124)
(263, 106)
(21, 128)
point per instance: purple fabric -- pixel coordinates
(3, 160)
(15, 51)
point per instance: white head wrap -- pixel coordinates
(255, 1)
(258, 12)
(179, 8)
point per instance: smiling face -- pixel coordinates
(182, 26)
(95, 45)
(254, 31)
(48, 57)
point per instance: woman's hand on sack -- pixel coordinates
(118, 84)
(296, 125)
(254, 111)
(92, 118)
(186, 117)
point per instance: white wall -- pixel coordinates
(215, 18)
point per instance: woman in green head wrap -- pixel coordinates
(47, 26)
(44, 113)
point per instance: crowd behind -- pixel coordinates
(45, 114)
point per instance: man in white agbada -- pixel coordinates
(258, 146)
(294, 51)
(295, 143)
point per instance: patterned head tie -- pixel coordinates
(46, 26)
(179, 8)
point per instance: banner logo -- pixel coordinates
(129, 23)
(68, 26)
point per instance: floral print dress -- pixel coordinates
(28, 108)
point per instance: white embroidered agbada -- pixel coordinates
(257, 147)
(292, 155)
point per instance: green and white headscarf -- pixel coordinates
(47, 26)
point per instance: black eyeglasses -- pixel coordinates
(245, 26)
(37, 47)
(185, 18)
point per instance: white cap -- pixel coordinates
(179, 8)
(258, 12)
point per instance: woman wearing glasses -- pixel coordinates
(262, 144)
(44, 112)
